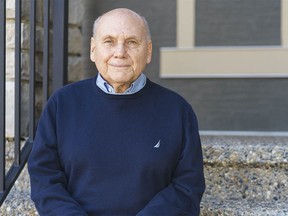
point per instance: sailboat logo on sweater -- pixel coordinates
(157, 145)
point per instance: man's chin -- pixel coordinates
(122, 76)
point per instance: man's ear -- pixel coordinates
(150, 48)
(92, 48)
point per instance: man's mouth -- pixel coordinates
(119, 65)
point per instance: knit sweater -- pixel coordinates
(101, 154)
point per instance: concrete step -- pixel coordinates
(242, 207)
(245, 175)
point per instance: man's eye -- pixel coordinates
(108, 41)
(132, 43)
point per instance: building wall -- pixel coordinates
(241, 104)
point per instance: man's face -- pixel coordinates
(120, 48)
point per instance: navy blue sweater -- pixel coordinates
(101, 154)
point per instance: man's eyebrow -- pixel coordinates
(106, 36)
(125, 36)
(134, 37)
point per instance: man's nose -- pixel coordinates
(120, 50)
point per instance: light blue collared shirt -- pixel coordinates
(136, 86)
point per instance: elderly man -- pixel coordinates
(117, 144)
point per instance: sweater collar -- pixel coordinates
(136, 86)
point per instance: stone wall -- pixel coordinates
(75, 71)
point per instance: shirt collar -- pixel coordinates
(136, 86)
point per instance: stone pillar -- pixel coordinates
(10, 63)
(75, 61)
(75, 71)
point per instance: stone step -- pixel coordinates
(245, 175)
(234, 207)
(241, 150)
(255, 183)
(18, 202)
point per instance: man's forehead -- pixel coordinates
(120, 27)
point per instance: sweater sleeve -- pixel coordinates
(183, 195)
(48, 181)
